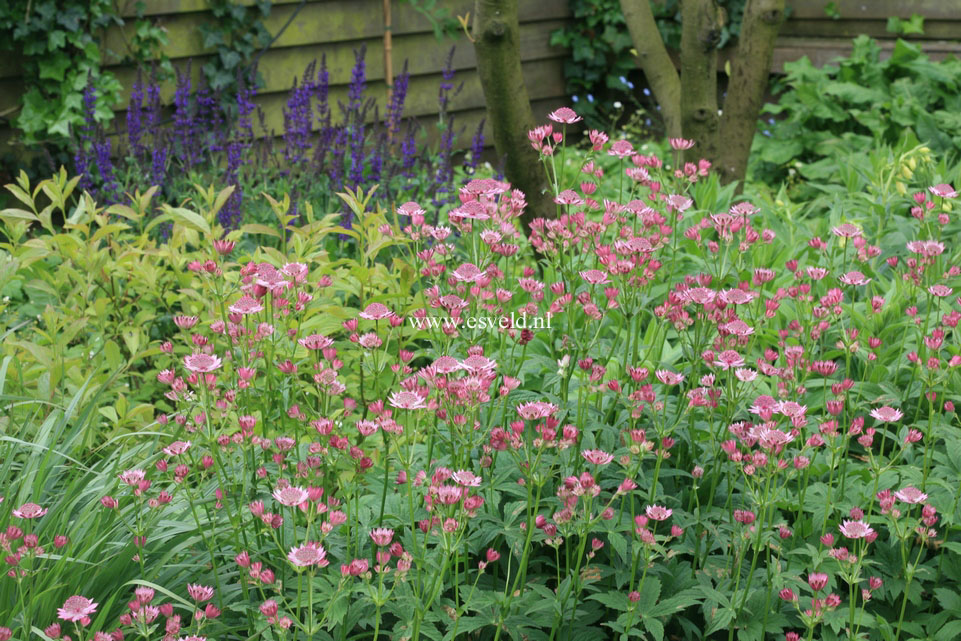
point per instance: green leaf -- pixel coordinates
(187, 218)
(615, 600)
(54, 67)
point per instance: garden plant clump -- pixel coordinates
(734, 428)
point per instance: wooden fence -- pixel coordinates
(335, 28)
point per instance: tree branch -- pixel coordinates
(700, 34)
(496, 34)
(749, 81)
(654, 61)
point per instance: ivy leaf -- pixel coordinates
(54, 67)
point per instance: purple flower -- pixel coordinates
(476, 149)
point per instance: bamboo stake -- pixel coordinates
(388, 59)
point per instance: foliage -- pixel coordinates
(235, 35)
(860, 102)
(737, 423)
(601, 61)
(59, 51)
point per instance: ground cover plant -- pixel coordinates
(667, 413)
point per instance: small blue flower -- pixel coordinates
(647, 122)
(590, 98)
(647, 92)
(770, 121)
(766, 133)
(574, 98)
(626, 82)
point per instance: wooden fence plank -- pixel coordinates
(933, 30)
(877, 9)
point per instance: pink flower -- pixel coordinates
(201, 363)
(76, 608)
(680, 144)
(658, 512)
(941, 291)
(407, 401)
(468, 273)
(410, 208)
(621, 149)
(535, 410)
(669, 378)
(568, 197)
(565, 116)
(817, 581)
(466, 478)
(29, 511)
(316, 342)
(309, 554)
(943, 190)
(200, 593)
(376, 311)
(177, 448)
(246, 305)
(594, 277)
(911, 495)
(597, 457)
(846, 230)
(291, 496)
(854, 278)
(886, 414)
(855, 529)
(381, 536)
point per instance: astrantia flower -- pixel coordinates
(291, 496)
(817, 581)
(308, 554)
(471, 210)
(246, 305)
(911, 495)
(668, 377)
(847, 230)
(477, 363)
(658, 512)
(854, 278)
(200, 593)
(886, 414)
(29, 511)
(410, 208)
(466, 478)
(728, 359)
(680, 144)
(76, 608)
(468, 273)
(535, 410)
(177, 448)
(941, 291)
(564, 115)
(376, 311)
(381, 536)
(597, 457)
(943, 190)
(855, 529)
(316, 342)
(594, 277)
(407, 401)
(446, 365)
(202, 363)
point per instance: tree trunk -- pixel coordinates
(655, 62)
(749, 79)
(700, 34)
(497, 45)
